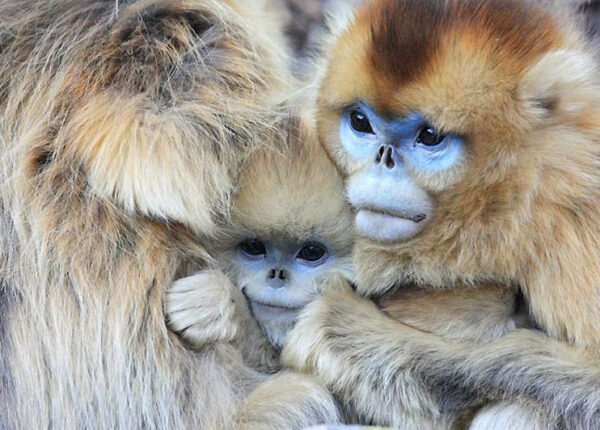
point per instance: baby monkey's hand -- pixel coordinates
(202, 308)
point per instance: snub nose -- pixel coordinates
(278, 273)
(385, 156)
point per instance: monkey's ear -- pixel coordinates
(562, 82)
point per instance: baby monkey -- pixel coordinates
(290, 235)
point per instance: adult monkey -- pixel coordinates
(469, 134)
(122, 128)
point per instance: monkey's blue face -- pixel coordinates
(279, 277)
(400, 163)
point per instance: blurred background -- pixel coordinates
(306, 15)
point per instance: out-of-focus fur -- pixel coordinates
(522, 89)
(463, 314)
(123, 126)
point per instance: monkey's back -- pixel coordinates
(122, 127)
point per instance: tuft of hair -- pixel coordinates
(507, 415)
(293, 189)
(127, 93)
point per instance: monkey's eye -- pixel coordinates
(253, 249)
(312, 253)
(360, 122)
(428, 136)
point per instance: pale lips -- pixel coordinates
(272, 311)
(387, 226)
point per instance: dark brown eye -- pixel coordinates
(312, 253)
(428, 136)
(360, 122)
(253, 248)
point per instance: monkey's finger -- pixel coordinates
(209, 297)
(204, 335)
(179, 301)
(183, 319)
(191, 283)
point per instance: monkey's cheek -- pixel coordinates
(386, 228)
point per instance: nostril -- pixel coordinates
(389, 159)
(380, 155)
(282, 275)
(272, 274)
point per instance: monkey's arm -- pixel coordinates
(463, 313)
(206, 308)
(365, 358)
(381, 367)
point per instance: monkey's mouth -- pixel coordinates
(262, 310)
(388, 225)
(277, 306)
(414, 217)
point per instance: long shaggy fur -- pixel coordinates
(123, 126)
(523, 210)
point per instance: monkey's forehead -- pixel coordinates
(296, 222)
(289, 235)
(393, 44)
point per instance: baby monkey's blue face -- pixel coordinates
(279, 277)
(395, 158)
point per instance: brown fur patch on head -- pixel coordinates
(406, 35)
(396, 48)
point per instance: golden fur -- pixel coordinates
(520, 210)
(294, 189)
(123, 128)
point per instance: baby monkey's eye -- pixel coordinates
(253, 248)
(313, 253)
(360, 122)
(428, 136)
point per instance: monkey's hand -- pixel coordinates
(328, 332)
(202, 308)
(367, 359)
